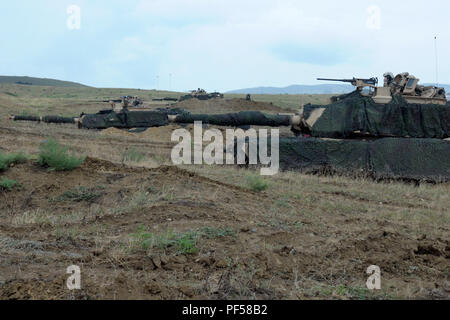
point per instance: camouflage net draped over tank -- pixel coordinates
(242, 118)
(135, 119)
(391, 158)
(354, 113)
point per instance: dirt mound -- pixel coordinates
(117, 132)
(227, 105)
(158, 134)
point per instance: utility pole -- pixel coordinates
(170, 81)
(437, 65)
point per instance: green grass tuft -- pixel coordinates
(211, 232)
(185, 243)
(11, 158)
(133, 155)
(57, 157)
(8, 184)
(81, 193)
(257, 183)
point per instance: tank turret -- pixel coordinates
(403, 84)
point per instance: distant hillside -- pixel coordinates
(39, 82)
(298, 89)
(311, 89)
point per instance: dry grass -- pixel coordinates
(287, 101)
(320, 221)
(426, 207)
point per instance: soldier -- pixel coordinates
(126, 101)
(137, 101)
(388, 78)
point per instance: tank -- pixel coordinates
(201, 94)
(389, 132)
(397, 131)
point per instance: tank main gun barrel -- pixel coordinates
(46, 119)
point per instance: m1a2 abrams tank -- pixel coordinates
(381, 132)
(398, 130)
(201, 94)
(400, 108)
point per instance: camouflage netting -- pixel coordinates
(391, 158)
(356, 113)
(58, 119)
(236, 119)
(134, 119)
(27, 118)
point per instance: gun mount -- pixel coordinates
(404, 85)
(359, 83)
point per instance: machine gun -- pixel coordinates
(359, 83)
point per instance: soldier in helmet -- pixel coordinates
(388, 78)
(125, 101)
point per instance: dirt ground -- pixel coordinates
(141, 228)
(230, 105)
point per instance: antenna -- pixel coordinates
(437, 65)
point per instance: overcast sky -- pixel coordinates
(222, 44)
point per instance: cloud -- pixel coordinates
(222, 44)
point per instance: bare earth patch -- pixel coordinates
(135, 236)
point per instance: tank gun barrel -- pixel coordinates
(46, 119)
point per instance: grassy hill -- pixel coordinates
(298, 89)
(39, 82)
(71, 101)
(311, 89)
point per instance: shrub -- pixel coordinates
(185, 243)
(7, 159)
(257, 183)
(57, 157)
(211, 232)
(7, 184)
(133, 155)
(82, 194)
